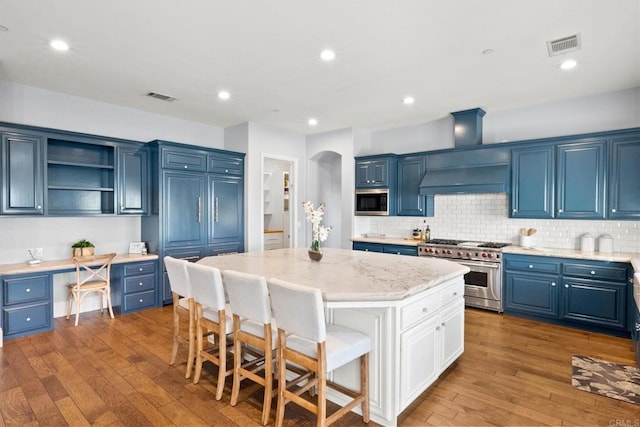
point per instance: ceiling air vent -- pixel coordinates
(161, 96)
(564, 45)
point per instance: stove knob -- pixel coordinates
(449, 251)
(459, 254)
(490, 255)
(468, 254)
(437, 251)
(430, 250)
(484, 255)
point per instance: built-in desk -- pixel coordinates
(28, 290)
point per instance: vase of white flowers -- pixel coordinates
(319, 233)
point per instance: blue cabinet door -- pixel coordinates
(595, 302)
(226, 216)
(133, 181)
(532, 183)
(531, 294)
(624, 179)
(184, 200)
(411, 170)
(581, 180)
(21, 160)
(368, 247)
(372, 173)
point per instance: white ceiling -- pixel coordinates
(265, 52)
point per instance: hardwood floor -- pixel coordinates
(115, 372)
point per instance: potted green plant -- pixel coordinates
(82, 248)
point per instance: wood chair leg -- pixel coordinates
(108, 292)
(364, 385)
(176, 330)
(69, 302)
(282, 380)
(268, 383)
(192, 340)
(200, 349)
(237, 361)
(222, 357)
(78, 299)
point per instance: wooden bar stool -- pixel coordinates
(253, 333)
(304, 339)
(211, 319)
(183, 309)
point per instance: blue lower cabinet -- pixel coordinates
(386, 248)
(635, 331)
(133, 286)
(582, 293)
(532, 294)
(26, 304)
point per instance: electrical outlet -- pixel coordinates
(38, 253)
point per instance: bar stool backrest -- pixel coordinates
(178, 277)
(248, 296)
(298, 309)
(206, 285)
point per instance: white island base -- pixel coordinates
(411, 307)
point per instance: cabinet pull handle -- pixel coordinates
(40, 207)
(593, 272)
(560, 210)
(553, 284)
(515, 210)
(141, 300)
(530, 265)
(425, 309)
(443, 325)
(215, 216)
(199, 208)
(566, 286)
(28, 319)
(455, 293)
(140, 268)
(189, 258)
(613, 210)
(140, 284)
(27, 290)
(186, 167)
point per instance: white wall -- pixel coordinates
(608, 111)
(342, 143)
(325, 186)
(260, 141)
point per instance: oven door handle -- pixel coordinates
(491, 265)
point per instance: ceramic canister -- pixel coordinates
(587, 243)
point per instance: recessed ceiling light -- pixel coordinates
(223, 94)
(60, 45)
(327, 55)
(408, 100)
(312, 122)
(568, 64)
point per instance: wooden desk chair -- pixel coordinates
(305, 340)
(211, 318)
(252, 333)
(97, 272)
(183, 309)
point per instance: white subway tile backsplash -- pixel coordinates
(486, 217)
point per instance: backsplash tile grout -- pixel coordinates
(485, 217)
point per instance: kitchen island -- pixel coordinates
(411, 307)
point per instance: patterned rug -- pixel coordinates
(605, 378)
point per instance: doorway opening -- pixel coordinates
(278, 200)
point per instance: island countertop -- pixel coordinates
(344, 274)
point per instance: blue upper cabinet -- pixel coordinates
(372, 172)
(581, 170)
(133, 181)
(532, 182)
(411, 170)
(184, 202)
(624, 178)
(22, 166)
(226, 216)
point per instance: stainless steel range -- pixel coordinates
(483, 284)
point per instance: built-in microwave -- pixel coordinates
(372, 201)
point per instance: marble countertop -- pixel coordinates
(572, 253)
(65, 264)
(407, 241)
(344, 274)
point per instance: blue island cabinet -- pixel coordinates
(410, 250)
(593, 295)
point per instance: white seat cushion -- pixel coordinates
(257, 329)
(342, 344)
(212, 315)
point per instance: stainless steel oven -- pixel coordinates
(483, 284)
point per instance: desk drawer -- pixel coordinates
(143, 268)
(27, 318)
(139, 283)
(25, 289)
(595, 271)
(138, 301)
(418, 310)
